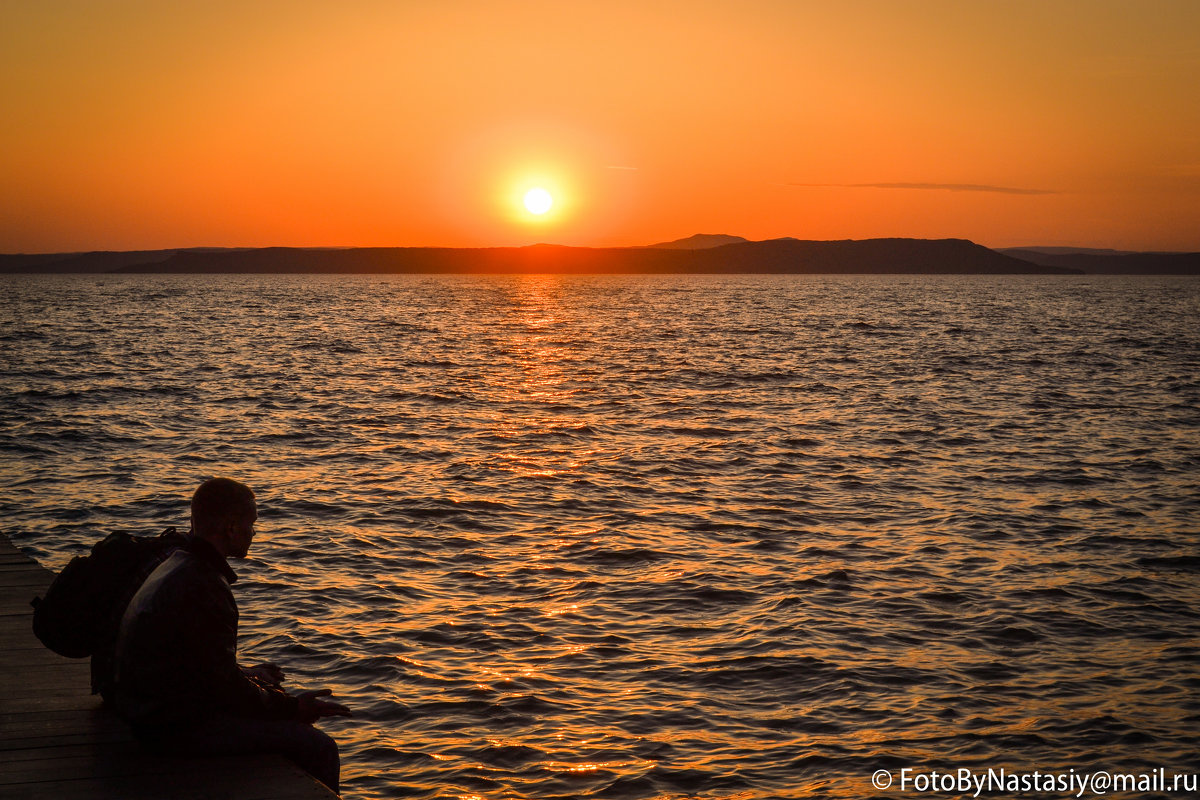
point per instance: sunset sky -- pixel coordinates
(145, 124)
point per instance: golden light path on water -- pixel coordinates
(739, 537)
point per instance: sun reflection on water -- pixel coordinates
(659, 538)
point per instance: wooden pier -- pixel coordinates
(58, 743)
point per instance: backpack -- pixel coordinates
(81, 612)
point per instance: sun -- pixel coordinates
(538, 201)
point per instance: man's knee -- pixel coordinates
(317, 753)
(319, 743)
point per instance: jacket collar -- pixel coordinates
(208, 554)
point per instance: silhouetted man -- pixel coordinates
(178, 682)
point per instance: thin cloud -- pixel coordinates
(1184, 170)
(944, 187)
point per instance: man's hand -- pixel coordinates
(271, 674)
(312, 707)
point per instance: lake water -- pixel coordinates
(658, 537)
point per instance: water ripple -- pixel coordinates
(650, 537)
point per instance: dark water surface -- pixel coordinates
(657, 537)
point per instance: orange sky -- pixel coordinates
(145, 124)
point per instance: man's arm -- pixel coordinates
(268, 674)
(312, 707)
(212, 633)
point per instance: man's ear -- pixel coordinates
(226, 528)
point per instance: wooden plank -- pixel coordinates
(63, 740)
(39, 661)
(25, 653)
(96, 719)
(17, 630)
(33, 655)
(7, 567)
(109, 751)
(15, 597)
(47, 767)
(32, 734)
(22, 645)
(11, 612)
(40, 705)
(7, 548)
(19, 623)
(34, 731)
(91, 709)
(32, 737)
(233, 778)
(34, 577)
(60, 680)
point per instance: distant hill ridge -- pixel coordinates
(1109, 262)
(701, 253)
(779, 256)
(700, 241)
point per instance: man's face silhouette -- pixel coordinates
(239, 532)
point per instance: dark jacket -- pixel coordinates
(176, 657)
(152, 550)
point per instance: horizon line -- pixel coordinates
(1094, 247)
(946, 187)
